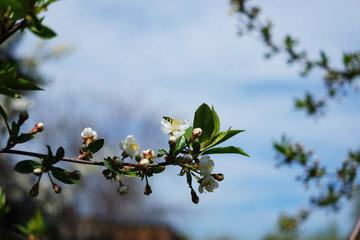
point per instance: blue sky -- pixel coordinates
(166, 58)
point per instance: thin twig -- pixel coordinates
(13, 30)
(355, 233)
(75, 160)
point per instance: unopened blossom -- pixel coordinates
(172, 141)
(129, 146)
(144, 162)
(187, 158)
(38, 171)
(206, 165)
(39, 127)
(209, 183)
(195, 134)
(174, 126)
(88, 133)
(123, 189)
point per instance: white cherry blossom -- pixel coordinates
(174, 127)
(129, 146)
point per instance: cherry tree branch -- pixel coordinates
(75, 160)
(13, 30)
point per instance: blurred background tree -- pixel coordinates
(337, 81)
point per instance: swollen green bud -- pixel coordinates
(147, 190)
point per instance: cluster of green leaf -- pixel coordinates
(14, 137)
(16, 15)
(340, 184)
(336, 81)
(46, 165)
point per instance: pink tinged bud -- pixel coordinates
(148, 154)
(38, 171)
(144, 162)
(219, 176)
(39, 127)
(147, 190)
(57, 189)
(197, 132)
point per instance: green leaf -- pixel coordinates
(62, 175)
(22, 229)
(188, 133)
(226, 150)
(14, 130)
(204, 119)
(24, 137)
(50, 154)
(219, 138)
(158, 169)
(216, 121)
(161, 152)
(8, 92)
(130, 173)
(108, 164)
(3, 114)
(179, 145)
(95, 146)
(196, 147)
(27, 166)
(60, 153)
(44, 32)
(19, 83)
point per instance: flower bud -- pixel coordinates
(38, 171)
(118, 163)
(194, 197)
(88, 135)
(218, 176)
(172, 141)
(138, 158)
(123, 189)
(195, 134)
(34, 191)
(144, 162)
(39, 127)
(23, 116)
(57, 188)
(147, 190)
(187, 158)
